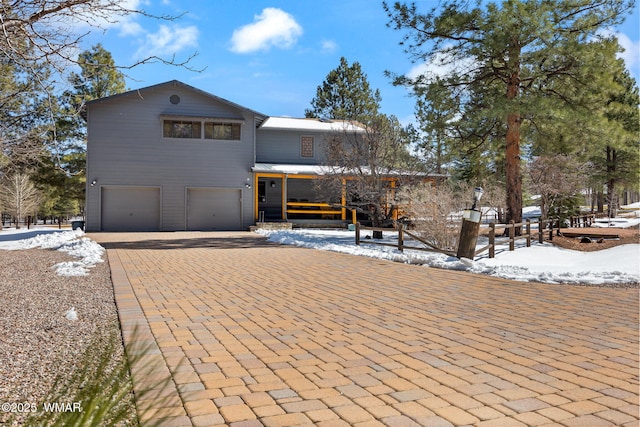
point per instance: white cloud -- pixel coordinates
(439, 66)
(328, 46)
(169, 41)
(273, 27)
(631, 54)
(128, 27)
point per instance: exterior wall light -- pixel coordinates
(94, 182)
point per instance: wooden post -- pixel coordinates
(492, 240)
(512, 235)
(400, 237)
(469, 235)
(357, 233)
(540, 231)
(528, 232)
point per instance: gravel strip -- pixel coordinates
(37, 342)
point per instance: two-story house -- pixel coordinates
(172, 157)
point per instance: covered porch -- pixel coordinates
(289, 193)
(293, 193)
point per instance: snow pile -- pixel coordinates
(89, 252)
(71, 314)
(541, 263)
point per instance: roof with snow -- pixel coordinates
(318, 125)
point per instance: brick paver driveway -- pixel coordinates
(243, 332)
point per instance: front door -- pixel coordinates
(270, 199)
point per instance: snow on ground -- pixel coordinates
(541, 263)
(71, 242)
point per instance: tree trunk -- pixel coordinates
(600, 201)
(612, 204)
(512, 159)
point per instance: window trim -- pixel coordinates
(221, 123)
(176, 121)
(203, 121)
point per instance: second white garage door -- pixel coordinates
(214, 209)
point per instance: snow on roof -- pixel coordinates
(310, 124)
(292, 169)
(327, 169)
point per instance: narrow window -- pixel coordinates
(306, 146)
(181, 129)
(224, 131)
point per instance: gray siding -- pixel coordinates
(126, 147)
(283, 146)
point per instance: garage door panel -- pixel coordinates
(213, 209)
(130, 209)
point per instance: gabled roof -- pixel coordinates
(260, 118)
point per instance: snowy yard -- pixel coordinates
(541, 262)
(86, 250)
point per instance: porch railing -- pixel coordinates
(310, 208)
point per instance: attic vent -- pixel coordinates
(174, 99)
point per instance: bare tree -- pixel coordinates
(50, 31)
(432, 210)
(19, 195)
(555, 178)
(371, 160)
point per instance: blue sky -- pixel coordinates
(270, 56)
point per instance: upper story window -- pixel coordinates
(201, 128)
(181, 129)
(225, 131)
(306, 147)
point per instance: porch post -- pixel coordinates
(343, 199)
(284, 196)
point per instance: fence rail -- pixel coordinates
(400, 245)
(546, 227)
(582, 220)
(545, 231)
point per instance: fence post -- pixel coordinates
(528, 233)
(540, 231)
(400, 237)
(512, 235)
(492, 240)
(357, 233)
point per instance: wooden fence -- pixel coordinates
(582, 220)
(400, 245)
(545, 228)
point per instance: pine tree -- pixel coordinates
(345, 94)
(62, 173)
(510, 57)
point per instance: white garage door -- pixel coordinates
(214, 209)
(130, 209)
